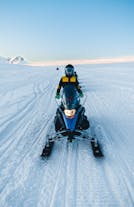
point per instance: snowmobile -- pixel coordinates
(71, 123)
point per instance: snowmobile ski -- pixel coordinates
(97, 152)
(47, 149)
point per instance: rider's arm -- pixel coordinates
(78, 87)
(59, 86)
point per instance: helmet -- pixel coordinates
(69, 70)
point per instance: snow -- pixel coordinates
(14, 60)
(18, 60)
(71, 177)
(3, 60)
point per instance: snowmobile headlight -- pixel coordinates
(70, 113)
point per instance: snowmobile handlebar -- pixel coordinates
(82, 102)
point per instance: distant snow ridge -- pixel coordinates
(17, 60)
(4, 60)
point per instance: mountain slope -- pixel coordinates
(15, 60)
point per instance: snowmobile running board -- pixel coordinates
(70, 136)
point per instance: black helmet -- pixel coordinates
(69, 70)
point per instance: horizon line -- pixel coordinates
(83, 61)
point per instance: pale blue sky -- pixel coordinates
(49, 30)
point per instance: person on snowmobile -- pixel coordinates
(70, 78)
(70, 113)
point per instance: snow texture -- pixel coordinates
(71, 177)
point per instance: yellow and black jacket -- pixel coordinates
(65, 80)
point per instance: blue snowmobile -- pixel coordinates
(71, 122)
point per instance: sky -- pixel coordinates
(58, 30)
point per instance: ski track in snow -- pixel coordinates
(71, 176)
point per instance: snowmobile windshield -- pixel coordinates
(70, 97)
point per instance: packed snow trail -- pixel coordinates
(71, 176)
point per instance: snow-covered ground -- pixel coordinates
(71, 177)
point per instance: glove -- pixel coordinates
(81, 95)
(57, 96)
